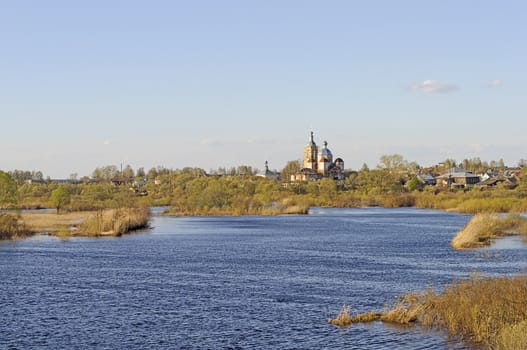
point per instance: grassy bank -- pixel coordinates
(482, 228)
(289, 205)
(108, 222)
(488, 311)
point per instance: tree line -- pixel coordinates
(393, 182)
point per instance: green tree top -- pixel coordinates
(60, 197)
(8, 191)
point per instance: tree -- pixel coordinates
(128, 173)
(291, 168)
(392, 162)
(60, 197)
(140, 173)
(414, 184)
(105, 173)
(8, 191)
(449, 163)
(244, 170)
(328, 189)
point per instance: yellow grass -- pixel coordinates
(109, 222)
(11, 227)
(115, 222)
(51, 222)
(482, 228)
(488, 311)
(345, 319)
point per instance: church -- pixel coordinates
(318, 163)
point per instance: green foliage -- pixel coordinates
(105, 173)
(8, 191)
(414, 184)
(60, 197)
(393, 162)
(393, 183)
(291, 168)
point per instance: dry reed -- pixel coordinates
(11, 227)
(482, 228)
(115, 222)
(345, 319)
(488, 311)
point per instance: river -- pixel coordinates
(237, 282)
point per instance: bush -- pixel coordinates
(11, 228)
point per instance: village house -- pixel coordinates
(506, 181)
(457, 177)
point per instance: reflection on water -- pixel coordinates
(236, 282)
(509, 242)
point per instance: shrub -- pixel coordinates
(10, 227)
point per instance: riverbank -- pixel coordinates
(108, 222)
(487, 311)
(284, 207)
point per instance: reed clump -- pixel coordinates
(482, 228)
(11, 227)
(115, 222)
(488, 311)
(345, 319)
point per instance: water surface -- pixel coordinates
(236, 282)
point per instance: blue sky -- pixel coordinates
(226, 83)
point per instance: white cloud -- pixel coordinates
(433, 86)
(106, 142)
(495, 83)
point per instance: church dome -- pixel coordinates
(325, 152)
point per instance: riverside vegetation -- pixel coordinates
(81, 210)
(190, 191)
(491, 312)
(482, 228)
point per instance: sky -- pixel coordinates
(85, 84)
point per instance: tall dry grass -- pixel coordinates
(345, 319)
(11, 227)
(488, 311)
(482, 228)
(115, 222)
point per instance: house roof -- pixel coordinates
(457, 175)
(500, 178)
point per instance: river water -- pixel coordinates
(237, 282)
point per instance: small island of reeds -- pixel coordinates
(483, 228)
